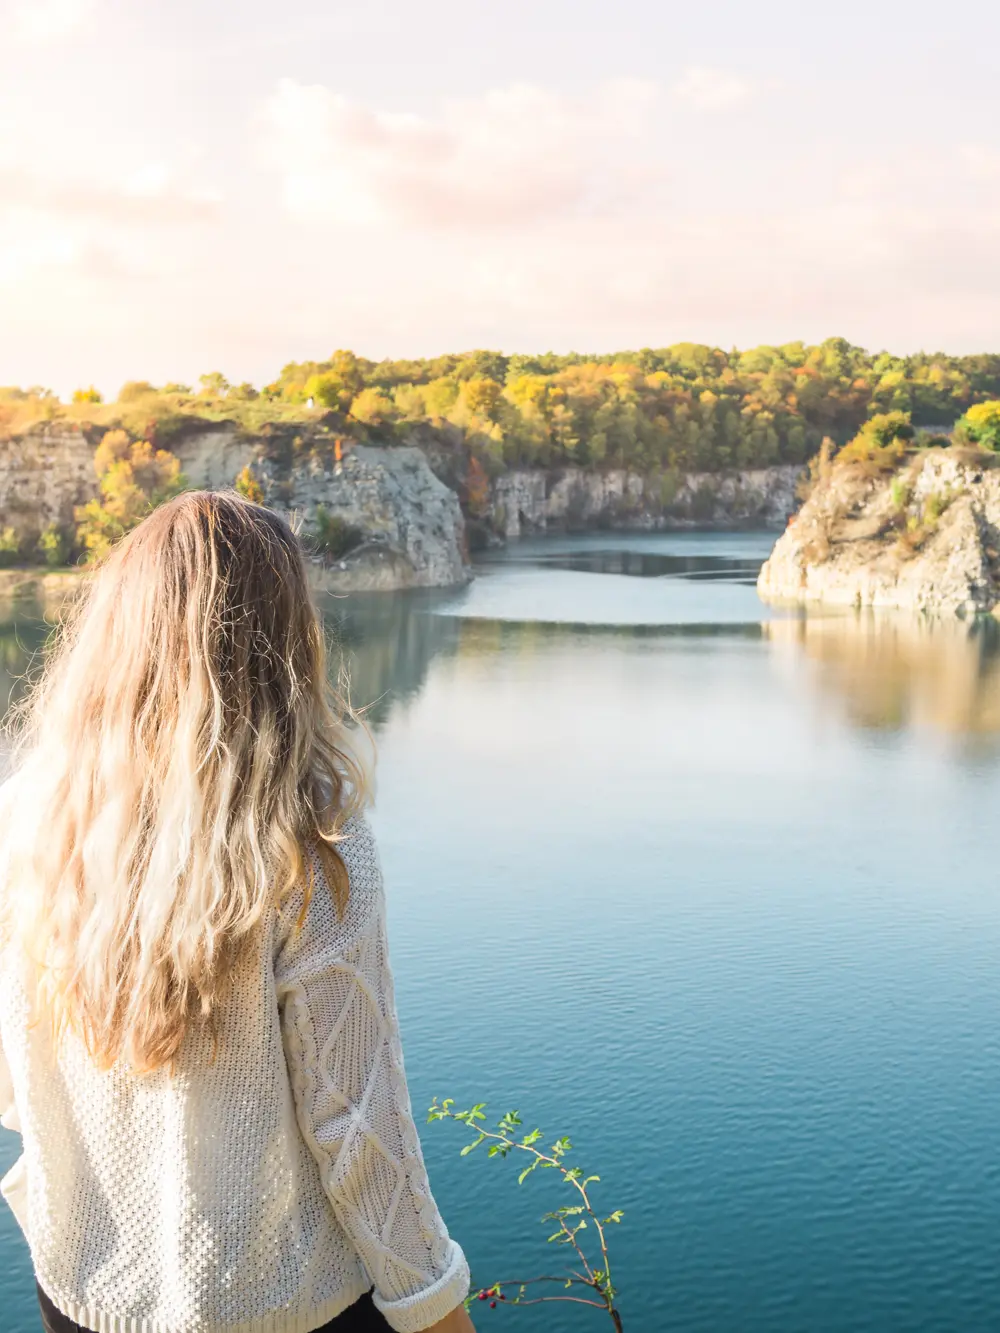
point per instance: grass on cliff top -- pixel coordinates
(157, 413)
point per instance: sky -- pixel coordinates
(211, 185)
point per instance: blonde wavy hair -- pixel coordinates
(179, 755)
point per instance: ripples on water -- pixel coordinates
(711, 888)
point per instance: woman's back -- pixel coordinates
(200, 1046)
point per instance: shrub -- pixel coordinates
(373, 407)
(90, 395)
(249, 487)
(880, 445)
(981, 425)
(587, 1279)
(10, 546)
(332, 535)
(54, 546)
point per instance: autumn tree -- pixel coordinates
(133, 478)
(214, 384)
(247, 485)
(373, 407)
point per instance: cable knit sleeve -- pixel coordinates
(342, 1047)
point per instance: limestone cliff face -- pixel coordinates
(532, 500)
(44, 475)
(927, 539)
(411, 525)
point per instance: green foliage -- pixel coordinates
(10, 546)
(981, 425)
(590, 1273)
(900, 492)
(54, 546)
(373, 407)
(133, 479)
(90, 395)
(660, 411)
(331, 535)
(214, 384)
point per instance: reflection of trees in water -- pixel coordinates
(387, 642)
(893, 672)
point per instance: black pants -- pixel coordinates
(362, 1317)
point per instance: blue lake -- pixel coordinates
(712, 889)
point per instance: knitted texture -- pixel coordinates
(259, 1191)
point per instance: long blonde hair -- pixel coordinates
(180, 752)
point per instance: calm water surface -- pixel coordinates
(713, 890)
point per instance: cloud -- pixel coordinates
(514, 157)
(147, 196)
(134, 221)
(49, 20)
(709, 89)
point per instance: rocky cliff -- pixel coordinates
(44, 474)
(408, 524)
(531, 500)
(399, 502)
(926, 537)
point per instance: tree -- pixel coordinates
(329, 390)
(981, 425)
(132, 390)
(480, 396)
(214, 384)
(133, 478)
(90, 395)
(373, 407)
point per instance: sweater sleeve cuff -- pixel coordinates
(425, 1308)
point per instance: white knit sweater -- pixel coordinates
(262, 1192)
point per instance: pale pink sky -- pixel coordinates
(208, 184)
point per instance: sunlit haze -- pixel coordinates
(190, 186)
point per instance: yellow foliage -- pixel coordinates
(133, 479)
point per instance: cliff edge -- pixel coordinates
(394, 523)
(923, 536)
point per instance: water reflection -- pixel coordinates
(894, 673)
(884, 672)
(653, 564)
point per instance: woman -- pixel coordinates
(199, 1043)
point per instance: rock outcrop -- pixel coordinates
(531, 500)
(409, 525)
(926, 538)
(44, 474)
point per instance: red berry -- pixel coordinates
(493, 1305)
(502, 1296)
(482, 1295)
